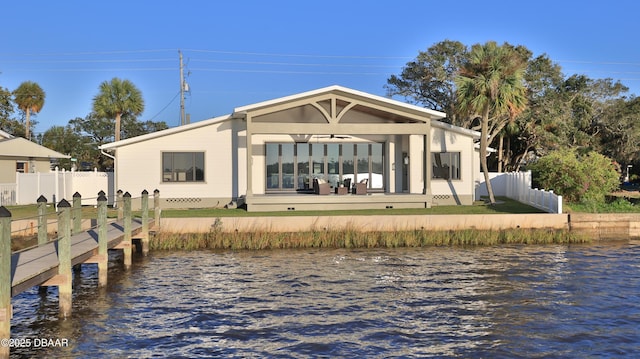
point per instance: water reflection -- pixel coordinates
(517, 301)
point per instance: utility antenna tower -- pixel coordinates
(183, 87)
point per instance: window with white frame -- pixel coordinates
(183, 166)
(446, 165)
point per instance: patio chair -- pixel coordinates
(347, 183)
(320, 186)
(360, 187)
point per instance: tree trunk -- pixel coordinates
(117, 136)
(500, 155)
(483, 155)
(27, 132)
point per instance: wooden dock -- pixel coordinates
(50, 262)
(36, 266)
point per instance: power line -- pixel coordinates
(299, 55)
(165, 107)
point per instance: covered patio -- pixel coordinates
(337, 136)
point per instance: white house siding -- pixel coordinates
(454, 191)
(8, 171)
(139, 166)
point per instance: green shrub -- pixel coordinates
(585, 179)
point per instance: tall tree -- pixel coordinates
(67, 141)
(621, 131)
(429, 79)
(29, 97)
(118, 98)
(6, 105)
(490, 86)
(97, 131)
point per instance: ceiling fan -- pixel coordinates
(333, 136)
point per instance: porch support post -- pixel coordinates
(428, 165)
(249, 156)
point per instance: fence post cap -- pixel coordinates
(145, 192)
(127, 194)
(4, 212)
(101, 193)
(102, 198)
(42, 199)
(64, 203)
(156, 191)
(76, 195)
(119, 191)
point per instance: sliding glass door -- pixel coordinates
(291, 167)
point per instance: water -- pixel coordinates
(494, 302)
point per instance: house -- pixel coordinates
(268, 155)
(19, 155)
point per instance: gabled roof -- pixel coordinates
(434, 116)
(166, 132)
(347, 92)
(21, 147)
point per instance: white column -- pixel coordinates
(416, 153)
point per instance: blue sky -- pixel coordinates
(241, 52)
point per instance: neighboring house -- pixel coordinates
(267, 155)
(19, 155)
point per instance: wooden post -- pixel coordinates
(144, 207)
(42, 220)
(156, 208)
(77, 213)
(5, 280)
(127, 230)
(64, 258)
(119, 204)
(103, 262)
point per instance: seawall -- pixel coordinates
(597, 226)
(365, 223)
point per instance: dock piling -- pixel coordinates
(145, 222)
(42, 220)
(64, 258)
(119, 204)
(77, 213)
(103, 261)
(5, 279)
(127, 230)
(156, 208)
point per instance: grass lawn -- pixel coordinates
(31, 212)
(505, 205)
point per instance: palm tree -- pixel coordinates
(118, 98)
(29, 97)
(490, 85)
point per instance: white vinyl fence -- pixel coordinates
(56, 185)
(517, 186)
(7, 194)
